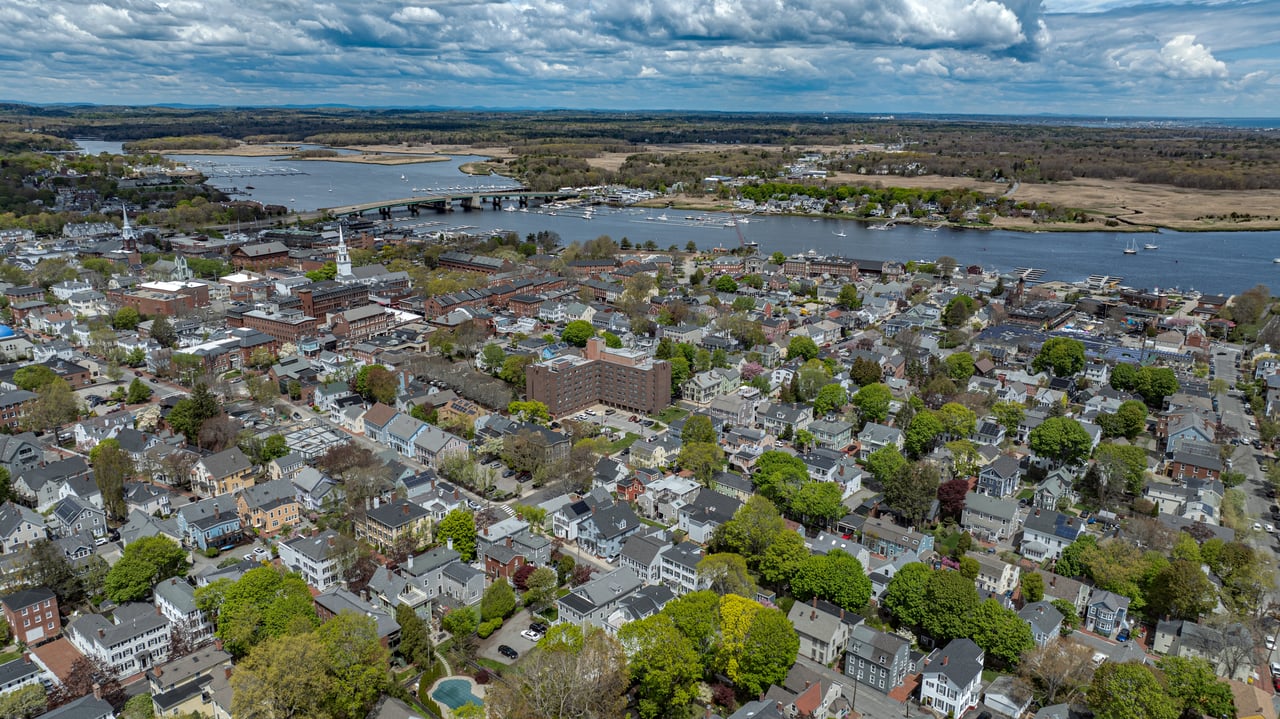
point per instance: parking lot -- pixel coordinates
(621, 420)
(509, 634)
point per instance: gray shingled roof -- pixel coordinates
(226, 462)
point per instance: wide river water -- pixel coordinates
(1211, 262)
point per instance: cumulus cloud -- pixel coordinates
(1183, 57)
(1015, 55)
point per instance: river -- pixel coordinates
(1211, 262)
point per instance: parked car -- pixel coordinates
(531, 635)
(541, 628)
(1123, 636)
(508, 652)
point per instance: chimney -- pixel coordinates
(410, 561)
(945, 659)
(102, 633)
(158, 612)
(842, 612)
(486, 531)
(97, 691)
(449, 542)
(807, 683)
(389, 575)
(508, 541)
(226, 671)
(815, 602)
(404, 509)
(455, 493)
(26, 657)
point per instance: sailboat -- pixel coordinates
(1151, 246)
(841, 233)
(1132, 249)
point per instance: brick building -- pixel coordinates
(622, 378)
(324, 298)
(283, 325)
(361, 323)
(260, 256)
(171, 299)
(13, 405)
(32, 615)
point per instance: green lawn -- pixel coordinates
(491, 664)
(671, 414)
(10, 656)
(1027, 494)
(945, 543)
(627, 440)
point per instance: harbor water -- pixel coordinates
(1210, 262)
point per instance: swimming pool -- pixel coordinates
(453, 693)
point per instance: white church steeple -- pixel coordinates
(343, 258)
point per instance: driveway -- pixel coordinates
(509, 634)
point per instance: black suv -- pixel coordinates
(538, 627)
(508, 652)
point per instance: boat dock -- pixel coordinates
(1031, 275)
(1099, 282)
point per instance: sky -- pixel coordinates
(1193, 58)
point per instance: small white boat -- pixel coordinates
(1276, 260)
(1150, 246)
(663, 217)
(840, 234)
(403, 178)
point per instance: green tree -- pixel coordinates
(697, 428)
(906, 597)
(801, 346)
(830, 398)
(725, 283)
(864, 372)
(356, 663)
(959, 366)
(111, 467)
(758, 644)
(1032, 587)
(958, 311)
(754, 527)
(126, 318)
(663, 664)
(34, 377)
(611, 340)
(679, 372)
(1061, 356)
(1129, 691)
(873, 401)
(1070, 617)
(951, 599)
(163, 333)
(1155, 383)
(284, 677)
(493, 357)
(498, 602)
(1009, 414)
(327, 271)
(816, 503)
(28, 701)
(1132, 418)
(726, 573)
(585, 677)
(697, 616)
(146, 562)
(540, 588)
(461, 622)
(1124, 377)
(887, 464)
(273, 447)
(1001, 633)
(513, 369)
(782, 558)
(460, 527)
(1123, 463)
(138, 392)
(922, 433)
(1071, 563)
(837, 577)
(578, 332)
(415, 638)
(848, 298)
(703, 459)
(1182, 591)
(529, 410)
(265, 602)
(1196, 687)
(958, 421)
(969, 567)
(1061, 440)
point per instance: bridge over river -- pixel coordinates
(443, 201)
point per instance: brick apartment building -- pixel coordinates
(261, 256)
(32, 615)
(817, 266)
(171, 299)
(361, 323)
(283, 325)
(13, 406)
(621, 378)
(321, 299)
